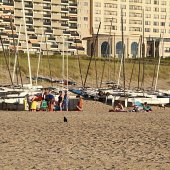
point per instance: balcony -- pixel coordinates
(64, 9)
(47, 7)
(8, 3)
(47, 15)
(38, 23)
(64, 1)
(73, 19)
(29, 22)
(47, 1)
(29, 14)
(66, 32)
(13, 35)
(38, 15)
(54, 46)
(73, 26)
(49, 31)
(35, 45)
(38, 7)
(64, 17)
(74, 34)
(29, 6)
(51, 38)
(47, 23)
(56, 17)
(30, 29)
(56, 24)
(32, 37)
(56, 8)
(73, 4)
(64, 25)
(73, 11)
(18, 13)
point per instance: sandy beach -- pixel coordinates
(93, 139)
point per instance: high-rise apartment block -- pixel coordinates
(49, 25)
(150, 18)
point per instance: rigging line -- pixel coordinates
(92, 54)
(79, 63)
(95, 62)
(159, 61)
(133, 66)
(48, 60)
(6, 61)
(106, 53)
(15, 52)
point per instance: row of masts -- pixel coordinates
(141, 48)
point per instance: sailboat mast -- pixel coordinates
(162, 39)
(79, 63)
(106, 52)
(123, 52)
(26, 37)
(39, 58)
(94, 44)
(6, 60)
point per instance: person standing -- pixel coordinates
(65, 101)
(60, 101)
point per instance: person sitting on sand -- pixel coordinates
(80, 103)
(118, 108)
(33, 105)
(146, 107)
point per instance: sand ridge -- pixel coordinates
(93, 139)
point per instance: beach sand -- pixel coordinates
(93, 139)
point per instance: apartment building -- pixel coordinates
(150, 18)
(49, 25)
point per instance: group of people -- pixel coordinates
(47, 102)
(137, 107)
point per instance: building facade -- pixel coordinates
(49, 25)
(150, 18)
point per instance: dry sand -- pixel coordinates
(93, 139)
